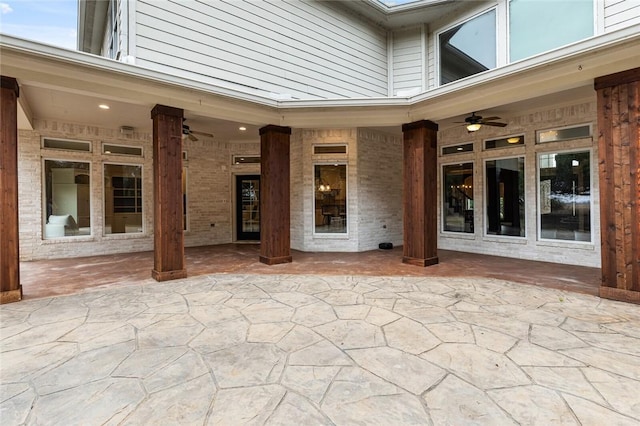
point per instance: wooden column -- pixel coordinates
(168, 225)
(619, 168)
(10, 288)
(420, 196)
(275, 241)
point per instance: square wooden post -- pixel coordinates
(419, 193)
(169, 263)
(619, 170)
(275, 216)
(10, 288)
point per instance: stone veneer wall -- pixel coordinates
(210, 186)
(587, 254)
(380, 189)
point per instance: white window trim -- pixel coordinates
(330, 235)
(443, 147)
(142, 201)
(66, 140)
(485, 203)
(571, 126)
(104, 143)
(564, 243)
(44, 200)
(509, 147)
(465, 18)
(329, 145)
(454, 234)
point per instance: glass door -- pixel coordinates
(248, 207)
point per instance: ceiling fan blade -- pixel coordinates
(192, 138)
(195, 132)
(490, 118)
(494, 123)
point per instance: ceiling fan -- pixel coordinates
(188, 133)
(475, 122)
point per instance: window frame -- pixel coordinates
(485, 203)
(141, 155)
(43, 197)
(539, 238)
(331, 235)
(466, 18)
(571, 126)
(458, 234)
(142, 202)
(80, 141)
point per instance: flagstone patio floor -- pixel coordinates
(237, 348)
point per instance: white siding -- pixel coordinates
(407, 60)
(621, 13)
(301, 48)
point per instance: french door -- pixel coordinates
(248, 207)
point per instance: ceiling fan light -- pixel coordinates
(473, 127)
(514, 139)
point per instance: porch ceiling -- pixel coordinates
(68, 85)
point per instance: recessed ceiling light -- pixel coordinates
(242, 128)
(103, 106)
(459, 148)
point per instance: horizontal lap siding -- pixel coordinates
(621, 13)
(305, 49)
(407, 59)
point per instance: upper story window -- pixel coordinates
(538, 26)
(468, 48)
(113, 42)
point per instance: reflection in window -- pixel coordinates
(538, 26)
(67, 199)
(565, 196)
(122, 198)
(457, 149)
(567, 133)
(330, 198)
(504, 142)
(505, 197)
(458, 197)
(469, 48)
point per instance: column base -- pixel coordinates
(275, 260)
(420, 262)
(613, 293)
(11, 296)
(168, 275)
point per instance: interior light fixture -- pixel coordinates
(242, 128)
(459, 148)
(103, 106)
(473, 127)
(514, 139)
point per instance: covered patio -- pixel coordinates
(44, 278)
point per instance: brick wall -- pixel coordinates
(587, 254)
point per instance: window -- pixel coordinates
(565, 196)
(563, 134)
(67, 198)
(468, 48)
(246, 159)
(67, 145)
(330, 149)
(122, 198)
(538, 26)
(505, 197)
(504, 142)
(330, 198)
(457, 215)
(457, 149)
(122, 150)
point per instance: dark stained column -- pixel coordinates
(619, 168)
(420, 196)
(275, 241)
(168, 225)
(10, 288)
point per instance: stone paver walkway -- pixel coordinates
(306, 350)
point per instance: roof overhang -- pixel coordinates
(572, 67)
(403, 15)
